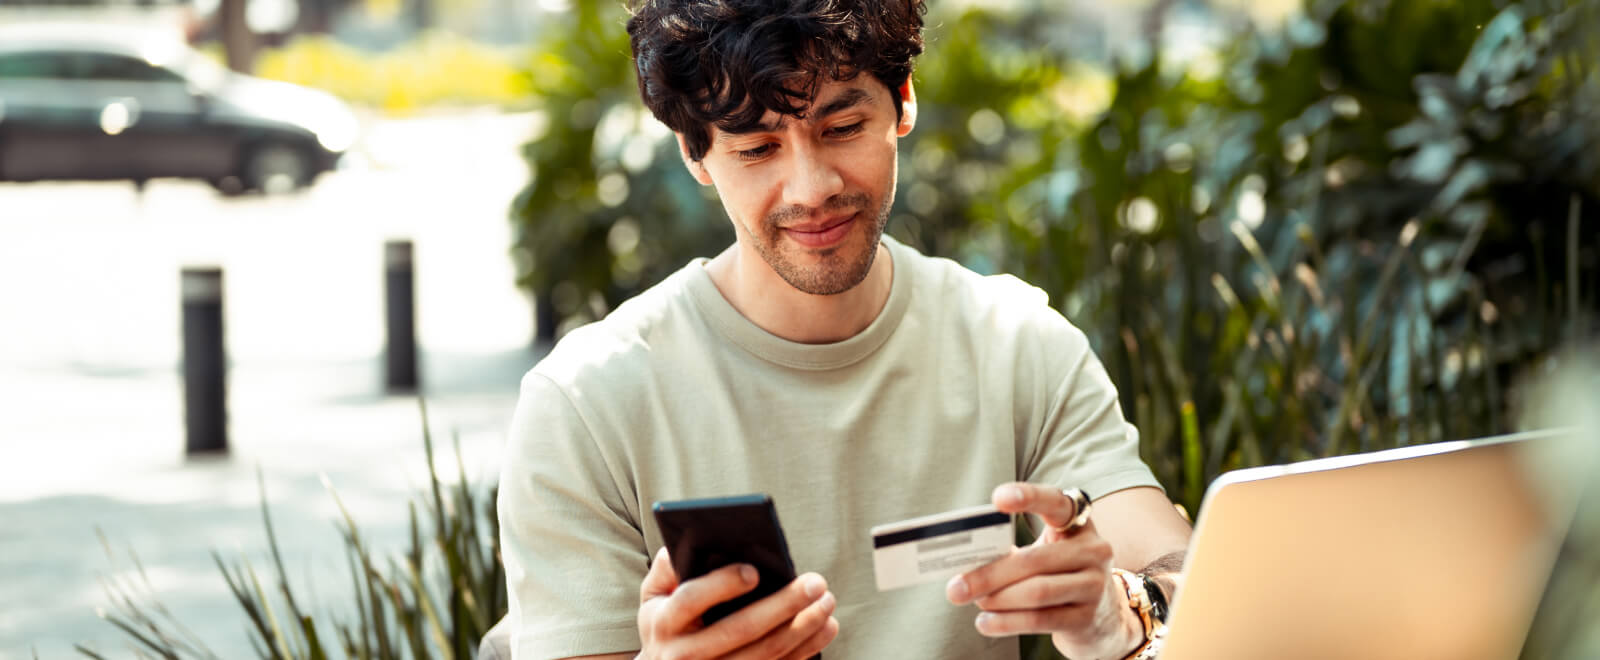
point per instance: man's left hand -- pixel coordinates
(1061, 584)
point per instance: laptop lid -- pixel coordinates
(1432, 551)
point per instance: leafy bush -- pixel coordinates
(610, 209)
(1307, 257)
(437, 600)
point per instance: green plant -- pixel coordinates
(436, 600)
(1307, 257)
(610, 208)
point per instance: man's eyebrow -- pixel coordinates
(847, 99)
(850, 98)
(729, 136)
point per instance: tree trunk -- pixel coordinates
(238, 42)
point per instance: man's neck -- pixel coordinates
(758, 293)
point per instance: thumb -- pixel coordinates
(661, 580)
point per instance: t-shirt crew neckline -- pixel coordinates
(749, 336)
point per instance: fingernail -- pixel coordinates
(956, 589)
(748, 574)
(983, 621)
(827, 602)
(814, 586)
(1012, 495)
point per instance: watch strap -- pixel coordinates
(1155, 630)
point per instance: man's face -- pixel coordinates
(811, 196)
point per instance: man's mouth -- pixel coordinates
(822, 234)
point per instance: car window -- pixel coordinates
(32, 65)
(118, 67)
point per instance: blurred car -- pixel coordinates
(100, 102)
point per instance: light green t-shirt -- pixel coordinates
(962, 383)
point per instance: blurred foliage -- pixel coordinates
(435, 69)
(435, 601)
(610, 208)
(1317, 253)
(1341, 233)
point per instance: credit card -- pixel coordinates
(935, 547)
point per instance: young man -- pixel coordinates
(855, 380)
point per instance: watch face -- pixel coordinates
(1157, 597)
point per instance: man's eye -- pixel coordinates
(756, 153)
(845, 131)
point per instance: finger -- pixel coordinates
(661, 580)
(1045, 591)
(757, 619)
(817, 642)
(1077, 553)
(788, 637)
(1050, 504)
(1049, 620)
(694, 597)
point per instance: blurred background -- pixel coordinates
(1291, 229)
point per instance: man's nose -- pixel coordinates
(813, 179)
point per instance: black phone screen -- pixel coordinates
(706, 534)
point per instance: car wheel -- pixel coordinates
(274, 168)
(228, 186)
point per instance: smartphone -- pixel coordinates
(703, 535)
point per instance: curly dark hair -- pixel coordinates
(729, 62)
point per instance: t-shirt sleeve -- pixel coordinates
(574, 554)
(1082, 439)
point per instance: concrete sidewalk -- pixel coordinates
(173, 513)
(148, 500)
(91, 412)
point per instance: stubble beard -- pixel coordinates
(837, 271)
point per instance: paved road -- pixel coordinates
(90, 400)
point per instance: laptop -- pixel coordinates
(1431, 551)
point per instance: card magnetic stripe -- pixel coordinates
(940, 529)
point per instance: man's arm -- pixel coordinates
(1146, 535)
(572, 549)
(608, 656)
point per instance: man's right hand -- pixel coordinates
(794, 623)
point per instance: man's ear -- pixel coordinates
(908, 109)
(697, 169)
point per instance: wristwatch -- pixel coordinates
(1140, 588)
(1158, 598)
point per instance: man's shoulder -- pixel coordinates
(998, 302)
(619, 348)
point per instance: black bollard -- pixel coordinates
(205, 393)
(400, 348)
